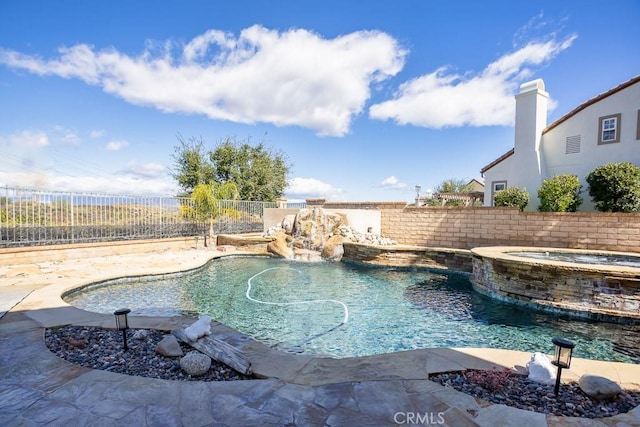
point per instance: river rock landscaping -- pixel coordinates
(98, 348)
(518, 391)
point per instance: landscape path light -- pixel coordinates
(122, 323)
(562, 359)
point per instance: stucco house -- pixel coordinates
(602, 130)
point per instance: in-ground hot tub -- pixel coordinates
(599, 285)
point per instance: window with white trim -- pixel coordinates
(609, 129)
(495, 187)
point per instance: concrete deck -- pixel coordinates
(37, 388)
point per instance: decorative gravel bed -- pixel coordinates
(99, 348)
(520, 392)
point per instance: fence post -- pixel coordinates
(72, 221)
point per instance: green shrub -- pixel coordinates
(512, 196)
(560, 193)
(455, 203)
(431, 201)
(615, 187)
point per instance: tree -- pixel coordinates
(190, 165)
(615, 187)
(453, 185)
(512, 196)
(560, 193)
(258, 173)
(206, 196)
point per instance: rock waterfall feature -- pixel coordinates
(316, 234)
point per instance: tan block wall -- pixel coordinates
(466, 228)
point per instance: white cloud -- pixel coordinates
(144, 170)
(26, 138)
(38, 138)
(443, 99)
(66, 136)
(27, 150)
(88, 184)
(115, 145)
(286, 78)
(31, 161)
(311, 188)
(393, 183)
(97, 133)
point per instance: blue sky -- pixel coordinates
(366, 99)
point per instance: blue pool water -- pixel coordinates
(582, 258)
(344, 310)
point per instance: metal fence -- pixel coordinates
(295, 205)
(34, 217)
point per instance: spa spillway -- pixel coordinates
(598, 285)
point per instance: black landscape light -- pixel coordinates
(122, 323)
(562, 359)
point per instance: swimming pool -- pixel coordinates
(352, 310)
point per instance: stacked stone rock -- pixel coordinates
(317, 230)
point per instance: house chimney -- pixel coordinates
(531, 119)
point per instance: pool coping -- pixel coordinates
(44, 284)
(506, 253)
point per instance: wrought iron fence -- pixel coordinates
(35, 217)
(295, 205)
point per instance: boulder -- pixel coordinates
(199, 328)
(287, 223)
(195, 363)
(599, 387)
(271, 232)
(316, 225)
(540, 369)
(280, 246)
(169, 347)
(333, 249)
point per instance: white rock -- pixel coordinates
(540, 369)
(199, 328)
